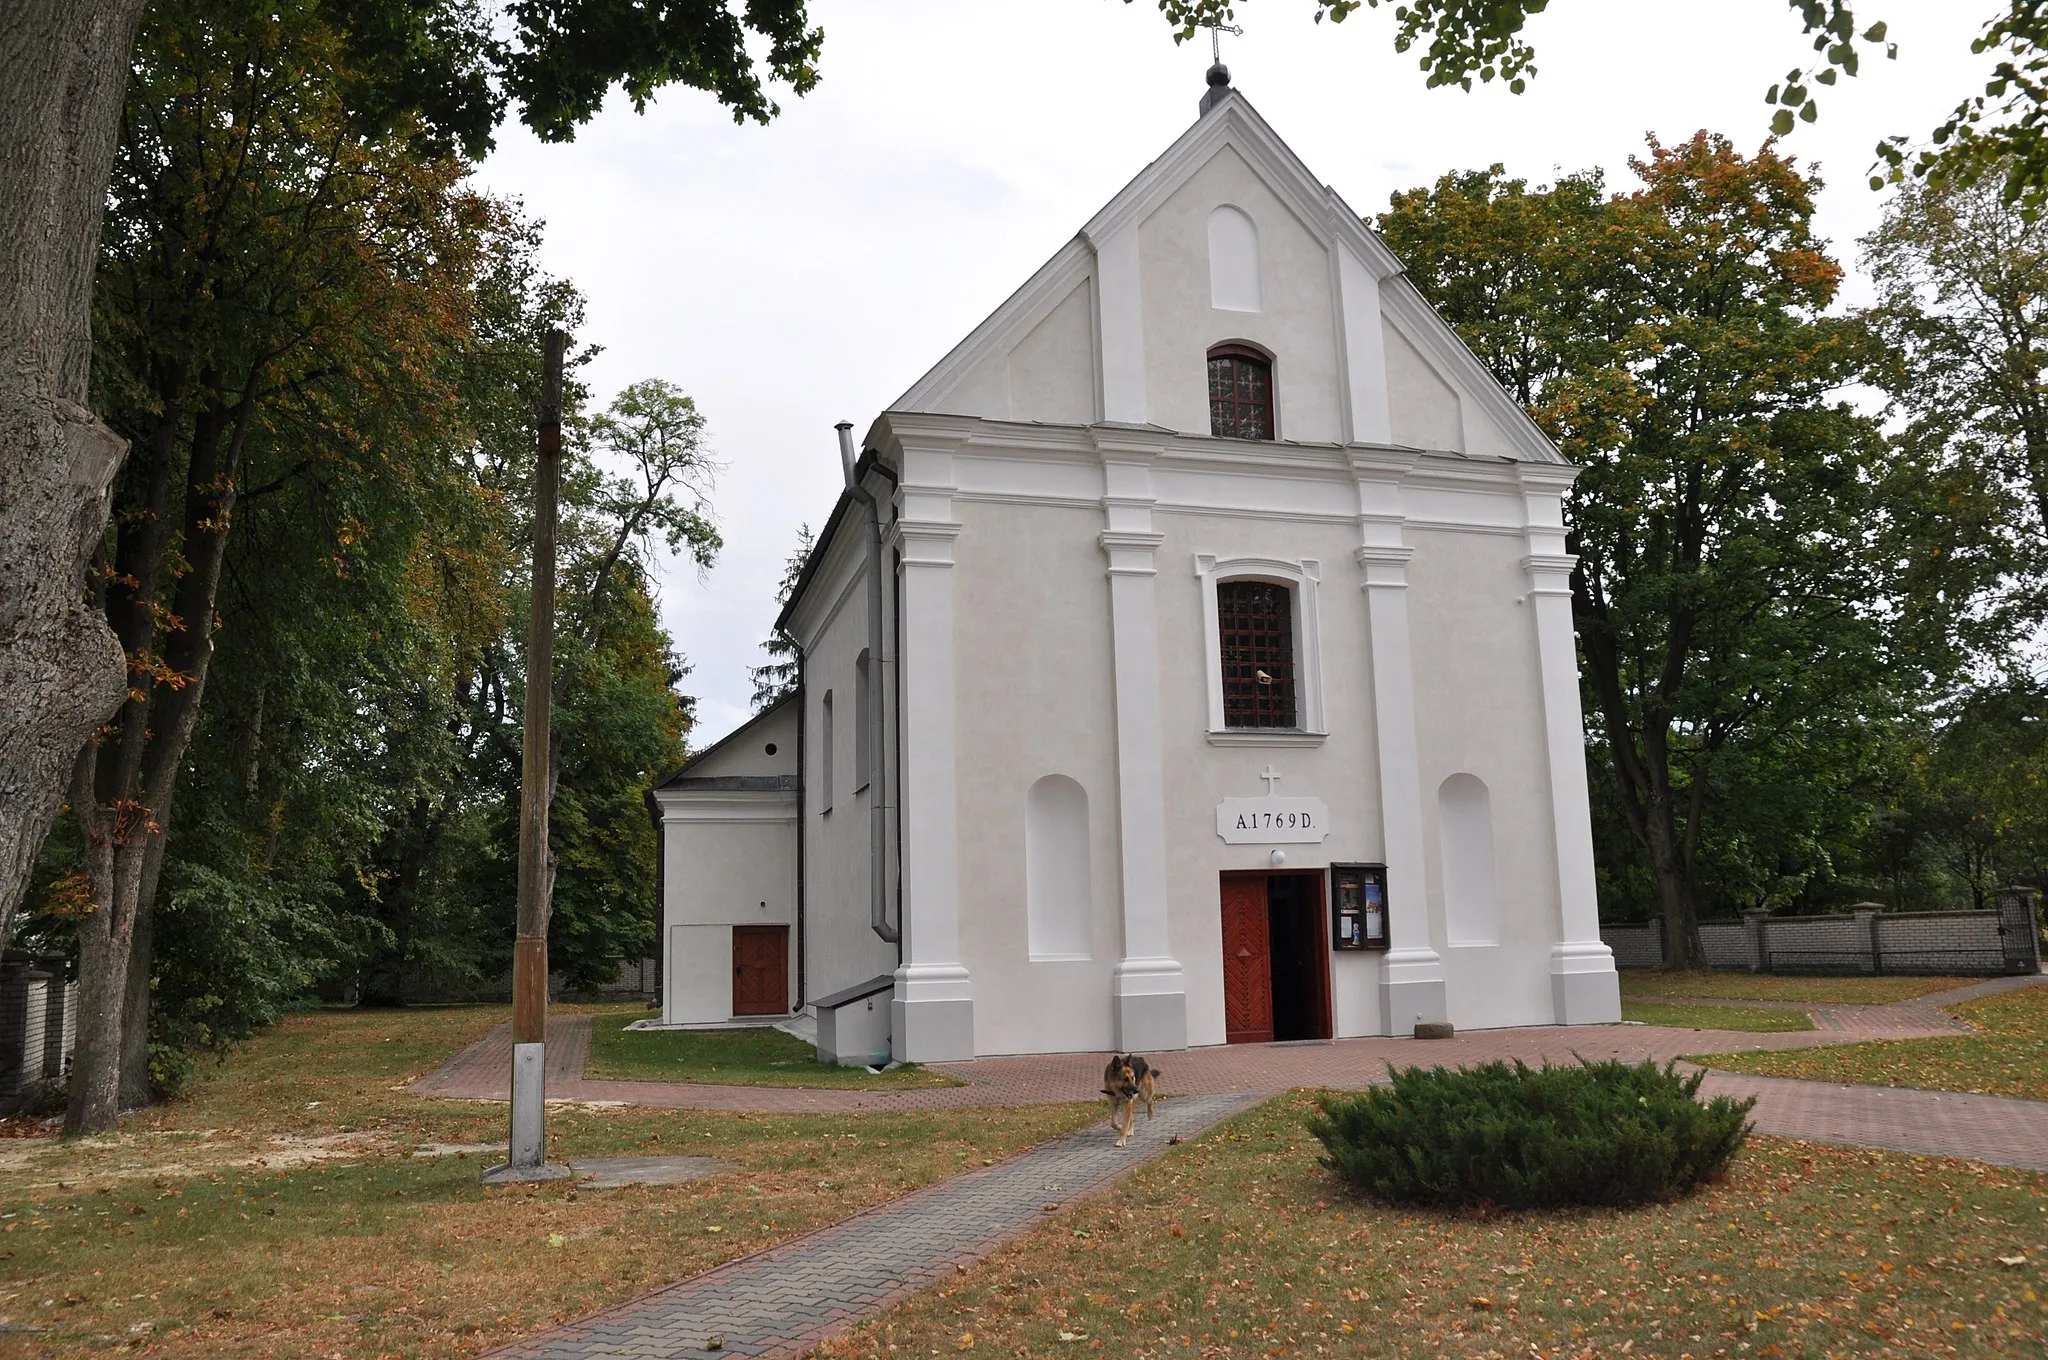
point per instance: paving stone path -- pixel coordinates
(2011, 1132)
(784, 1301)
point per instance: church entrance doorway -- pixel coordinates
(1276, 962)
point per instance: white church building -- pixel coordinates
(1188, 660)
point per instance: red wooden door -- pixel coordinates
(1247, 961)
(760, 970)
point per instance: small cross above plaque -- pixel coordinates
(1272, 778)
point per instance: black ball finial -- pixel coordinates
(1219, 86)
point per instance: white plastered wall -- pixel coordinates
(1296, 323)
(1116, 328)
(841, 947)
(1422, 407)
(1340, 770)
(1479, 711)
(728, 858)
(1052, 369)
(1035, 698)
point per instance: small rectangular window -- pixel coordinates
(1255, 627)
(825, 755)
(863, 723)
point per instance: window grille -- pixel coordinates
(1240, 393)
(1255, 627)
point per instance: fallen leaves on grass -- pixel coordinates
(1801, 1251)
(1733, 986)
(2007, 1056)
(383, 1252)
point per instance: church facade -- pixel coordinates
(1188, 660)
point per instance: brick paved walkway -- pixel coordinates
(482, 1071)
(1935, 1123)
(784, 1301)
(1984, 1128)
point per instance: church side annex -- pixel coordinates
(1189, 660)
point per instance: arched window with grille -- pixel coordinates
(1240, 393)
(1255, 627)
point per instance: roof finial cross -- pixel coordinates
(1219, 74)
(1216, 30)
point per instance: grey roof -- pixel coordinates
(750, 783)
(858, 991)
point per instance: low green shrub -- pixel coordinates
(1524, 1138)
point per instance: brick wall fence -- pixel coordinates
(638, 980)
(2006, 939)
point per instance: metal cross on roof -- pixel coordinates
(1216, 30)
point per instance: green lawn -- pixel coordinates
(1747, 1019)
(283, 1209)
(1729, 986)
(2008, 1056)
(750, 1056)
(1239, 1246)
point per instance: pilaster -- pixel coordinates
(1584, 988)
(933, 1008)
(1120, 325)
(1412, 973)
(1365, 357)
(1148, 988)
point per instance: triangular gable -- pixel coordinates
(1233, 123)
(728, 741)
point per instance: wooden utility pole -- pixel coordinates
(536, 794)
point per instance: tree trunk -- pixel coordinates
(61, 674)
(135, 1085)
(113, 862)
(1682, 948)
(1642, 776)
(126, 802)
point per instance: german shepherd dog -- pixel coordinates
(1127, 1080)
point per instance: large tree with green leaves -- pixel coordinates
(276, 290)
(777, 677)
(1961, 269)
(434, 909)
(1962, 282)
(1730, 594)
(2001, 133)
(444, 70)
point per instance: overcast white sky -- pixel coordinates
(795, 275)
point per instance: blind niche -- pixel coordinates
(1058, 871)
(1465, 837)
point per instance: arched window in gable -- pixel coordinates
(1240, 393)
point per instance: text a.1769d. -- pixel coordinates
(1272, 821)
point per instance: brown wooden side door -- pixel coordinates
(1247, 961)
(760, 970)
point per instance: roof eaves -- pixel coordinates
(869, 462)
